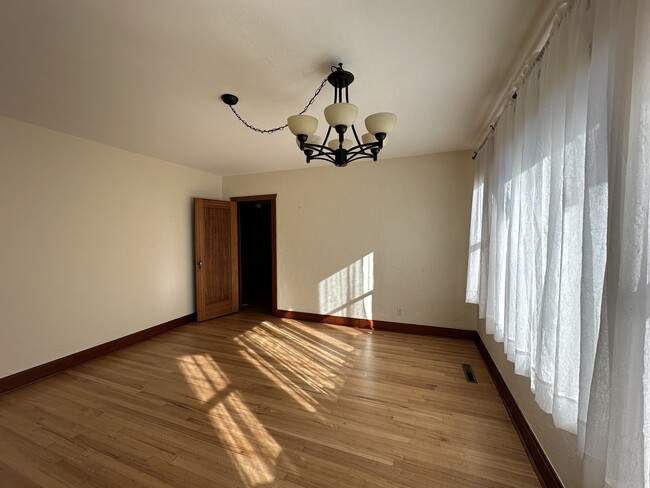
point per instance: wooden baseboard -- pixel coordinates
(426, 330)
(23, 378)
(542, 466)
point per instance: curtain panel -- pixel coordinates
(559, 234)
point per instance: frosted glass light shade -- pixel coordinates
(302, 124)
(341, 114)
(370, 138)
(334, 144)
(313, 139)
(381, 122)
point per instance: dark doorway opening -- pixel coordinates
(256, 255)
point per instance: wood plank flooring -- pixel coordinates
(250, 400)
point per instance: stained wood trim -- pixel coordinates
(469, 335)
(254, 198)
(542, 466)
(199, 280)
(328, 319)
(27, 376)
(234, 256)
(274, 261)
(274, 258)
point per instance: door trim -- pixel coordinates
(274, 274)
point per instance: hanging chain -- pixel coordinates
(275, 129)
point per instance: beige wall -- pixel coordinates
(559, 445)
(96, 243)
(363, 240)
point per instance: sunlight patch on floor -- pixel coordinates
(299, 362)
(307, 329)
(254, 451)
(312, 347)
(242, 433)
(304, 366)
(203, 375)
(249, 350)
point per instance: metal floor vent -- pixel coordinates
(469, 373)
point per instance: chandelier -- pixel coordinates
(340, 116)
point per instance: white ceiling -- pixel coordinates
(147, 75)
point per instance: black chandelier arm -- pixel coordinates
(323, 157)
(327, 136)
(364, 148)
(320, 150)
(356, 137)
(275, 129)
(354, 152)
(360, 150)
(360, 156)
(328, 154)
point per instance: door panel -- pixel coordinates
(216, 254)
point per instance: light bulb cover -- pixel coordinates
(313, 139)
(302, 124)
(341, 114)
(370, 139)
(334, 144)
(381, 122)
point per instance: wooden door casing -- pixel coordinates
(274, 276)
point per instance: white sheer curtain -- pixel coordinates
(560, 234)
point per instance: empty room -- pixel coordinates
(302, 244)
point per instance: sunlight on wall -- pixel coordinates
(348, 292)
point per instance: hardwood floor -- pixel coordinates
(255, 401)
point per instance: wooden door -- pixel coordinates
(215, 258)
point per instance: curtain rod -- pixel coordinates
(484, 142)
(562, 10)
